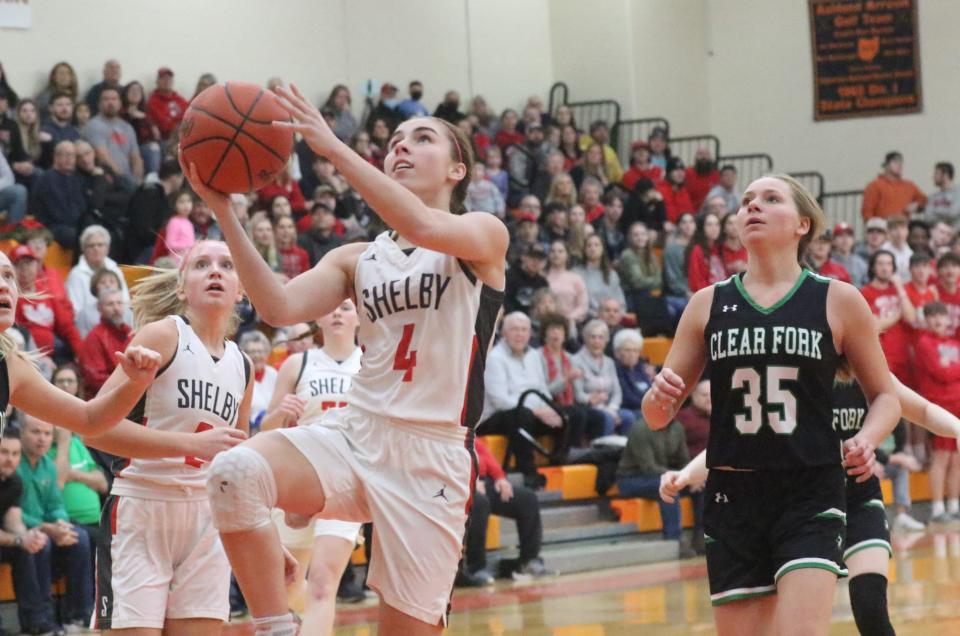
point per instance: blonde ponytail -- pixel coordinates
(155, 297)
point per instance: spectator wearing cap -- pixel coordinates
(843, 254)
(818, 259)
(13, 195)
(876, 236)
(59, 201)
(726, 188)
(896, 242)
(111, 79)
(600, 134)
(166, 107)
(525, 279)
(890, 193)
(641, 167)
(701, 177)
(412, 106)
(944, 202)
(45, 317)
(320, 238)
(658, 143)
(385, 110)
(676, 198)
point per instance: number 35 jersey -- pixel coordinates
(194, 392)
(771, 378)
(426, 322)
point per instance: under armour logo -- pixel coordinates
(372, 257)
(442, 493)
(720, 498)
(839, 541)
(188, 349)
(727, 308)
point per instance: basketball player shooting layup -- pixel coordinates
(401, 453)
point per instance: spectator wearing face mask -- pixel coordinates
(413, 107)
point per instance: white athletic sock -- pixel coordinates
(953, 505)
(283, 625)
(937, 508)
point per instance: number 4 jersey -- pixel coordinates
(426, 322)
(771, 378)
(193, 392)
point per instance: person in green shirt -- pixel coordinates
(42, 506)
(81, 479)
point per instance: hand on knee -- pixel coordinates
(242, 490)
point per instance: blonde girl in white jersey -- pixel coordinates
(165, 571)
(401, 453)
(310, 383)
(22, 385)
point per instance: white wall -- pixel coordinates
(315, 43)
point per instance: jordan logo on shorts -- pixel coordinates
(442, 493)
(187, 348)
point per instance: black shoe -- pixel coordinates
(534, 481)
(480, 578)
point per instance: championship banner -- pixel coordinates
(15, 14)
(866, 58)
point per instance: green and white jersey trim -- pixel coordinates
(741, 593)
(875, 503)
(869, 543)
(832, 513)
(806, 563)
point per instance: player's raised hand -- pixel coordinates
(139, 363)
(307, 120)
(217, 201)
(859, 457)
(209, 443)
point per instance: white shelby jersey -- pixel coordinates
(323, 382)
(194, 392)
(426, 322)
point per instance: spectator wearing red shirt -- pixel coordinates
(888, 301)
(283, 185)
(590, 194)
(294, 260)
(496, 495)
(704, 262)
(676, 198)
(732, 251)
(701, 177)
(166, 107)
(508, 134)
(818, 259)
(38, 239)
(44, 317)
(920, 290)
(948, 287)
(938, 368)
(640, 167)
(97, 359)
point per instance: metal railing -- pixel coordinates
(812, 181)
(628, 131)
(559, 94)
(686, 147)
(585, 112)
(844, 207)
(749, 166)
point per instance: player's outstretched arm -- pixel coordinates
(31, 393)
(683, 366)
(853, 326)
(129, 439)
(919, 410)
(477, 237)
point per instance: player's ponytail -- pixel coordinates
(461, 151)
(807, 207)
(155, 297)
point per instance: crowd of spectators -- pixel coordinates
(601, 255)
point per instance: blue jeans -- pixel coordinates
(648, 487)
(34, 607)
(151, 155)
(73, 562)
(627, 418)
(13, 199)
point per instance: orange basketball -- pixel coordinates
(227, 133)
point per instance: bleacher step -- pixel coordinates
(578, 533)
(571, 515)
(589, 556)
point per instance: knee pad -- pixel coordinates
(868, 600)
(242, 490)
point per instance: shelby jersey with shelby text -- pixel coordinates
(194, 392)
(849, 410)
(771, 372)
(323, 382)
(426, 322)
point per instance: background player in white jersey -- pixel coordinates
(401, 453)
(310, 383)
(22, 385)
(164, 570)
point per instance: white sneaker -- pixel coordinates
(904, 521)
